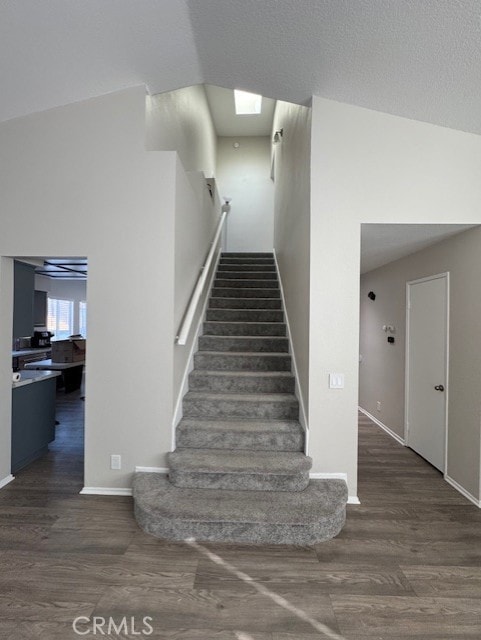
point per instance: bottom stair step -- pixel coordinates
(307, 517)
(239, 470)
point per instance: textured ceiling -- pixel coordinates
(414, 58)
(384, 243)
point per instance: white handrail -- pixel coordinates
(184, 331)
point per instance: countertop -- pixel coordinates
(56, 366)
(30, 352)
(29, 377)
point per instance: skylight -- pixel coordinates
(247, 103)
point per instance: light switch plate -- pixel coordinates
(336, 381)
(115, 462)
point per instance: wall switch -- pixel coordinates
(115, 462)
(378, 405)
(336, 381)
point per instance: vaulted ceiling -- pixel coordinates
(420, 59)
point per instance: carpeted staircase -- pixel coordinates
(239, 473)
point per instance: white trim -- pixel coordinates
(334, 476)
(302, 410)
(162, 470)
(7, 480)
(463, 491)
(389, 431)
(189, 367)
(105, 491)
(314, 475)
(437, 276)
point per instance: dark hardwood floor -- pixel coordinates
(406, 565)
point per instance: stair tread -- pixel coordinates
(243, 338)
(254, 434)
(240, 374)
(239, 461)
(243, 322)
(239, 424)
(321, 500)
(260, 354)
(242, 397)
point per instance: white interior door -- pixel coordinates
(426, 370)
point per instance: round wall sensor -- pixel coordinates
(236, 145)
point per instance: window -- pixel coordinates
(82, 319)
(60, 318)
(247, 103)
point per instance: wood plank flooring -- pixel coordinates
(406, 565)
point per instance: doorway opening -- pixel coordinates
(48, 363)
(407, 320)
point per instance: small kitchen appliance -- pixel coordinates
(41, 339)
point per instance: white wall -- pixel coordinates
(181, 121)
(75, 290)
(196, 219)
(243, 173)
(292, 228)
(368, 167)
(381, 374)
(77, 181)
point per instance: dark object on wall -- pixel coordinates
(390, 339)
(371, 295)
(40, 309)
(24, 284)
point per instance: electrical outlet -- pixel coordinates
(378, 405)
(115, 462)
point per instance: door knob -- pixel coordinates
(439, 387)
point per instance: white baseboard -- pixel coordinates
(7, 480)
(463, 491)
(389, 431)
(335, 476)
(106, 491)
(302, 410)
(162, 470)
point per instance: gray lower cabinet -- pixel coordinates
(33, 421)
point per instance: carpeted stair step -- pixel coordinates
(242, 381)
(262, 344)
(218, 360)
(275, 517)
(229, 292)
(239, 470)
(244, 315)
(233, 283)
(245, 303)
(247, 275)
(248, 255)
(264, 406)
(253, 435)
(244, 328)
(253, 266)
(246, 262)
